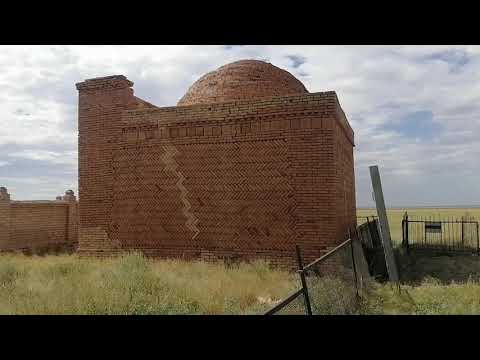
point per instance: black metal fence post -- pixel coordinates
(478, 242)
(369, 236)
(403, 232)
(304, 282)
(406, 233)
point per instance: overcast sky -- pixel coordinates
(415, 110)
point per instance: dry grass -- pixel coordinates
(430, 298)
(135, 285)
(431, 285)
(418, 266)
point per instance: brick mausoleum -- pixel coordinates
(248, 164)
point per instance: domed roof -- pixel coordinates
(242, 80)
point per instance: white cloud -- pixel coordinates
(69, 157)
(375, 84)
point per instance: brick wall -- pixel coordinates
(38, 225)
(345, 184)
(240, 179)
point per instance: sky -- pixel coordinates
(415, 110)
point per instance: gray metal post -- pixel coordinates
(383, 222)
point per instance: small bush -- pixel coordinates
(332, 296)
(8, 274)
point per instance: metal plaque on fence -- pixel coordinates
(433, 226)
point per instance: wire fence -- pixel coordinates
(334, 283)
(293, 305)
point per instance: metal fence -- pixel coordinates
(369, 235)
(298, 302)
(309, 299)
(444, 235)
(293, 305)
(362, 219)
(335, 280)
(333, 283)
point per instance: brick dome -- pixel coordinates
(242, 80)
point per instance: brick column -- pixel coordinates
(4, 218)
(100, 106)
(72, 223)
(344, 176)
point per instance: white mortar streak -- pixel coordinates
(171, 165)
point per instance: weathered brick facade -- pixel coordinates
(38, 225)
(229, 174)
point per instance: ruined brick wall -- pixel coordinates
(242, 179)
(38, 224)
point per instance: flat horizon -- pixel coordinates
(466, 206)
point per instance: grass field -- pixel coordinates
(395, 216)
(429, 298)
(432, 285)
(132, 284)
(135, 285)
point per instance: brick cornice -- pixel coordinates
(318, 105)
(105, 83)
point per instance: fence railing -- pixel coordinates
(448, 235)
(372, 217)
(309, 279)
(335, 281)
(299, 301)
